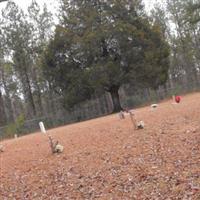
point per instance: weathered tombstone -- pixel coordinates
(121, 115)
(133, 120)
(42, 128)
(55, 146)
(136, 125)
(140, 125)
(154, 106)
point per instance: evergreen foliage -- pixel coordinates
(101, 45)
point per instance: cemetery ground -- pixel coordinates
(106, 158)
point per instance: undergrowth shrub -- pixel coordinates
(17, 127)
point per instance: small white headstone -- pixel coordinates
(154, 106)
(59, 148)
(16, 136)
(140, 125)
(42, 128)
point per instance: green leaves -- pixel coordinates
(106, 44)
(193, 10)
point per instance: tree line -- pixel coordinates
(97, 46)
(23, 38)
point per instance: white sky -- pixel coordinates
(53, 4)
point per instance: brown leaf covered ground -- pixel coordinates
(106, 159)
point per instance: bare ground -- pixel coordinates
(106, 159)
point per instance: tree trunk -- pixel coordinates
(36, 84)
(115, 99)
(9, 109)
(8, 104)
(31, 109)
(2, 111)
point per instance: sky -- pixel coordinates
(25, 3)
(53, 4)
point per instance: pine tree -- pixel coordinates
(18, 32)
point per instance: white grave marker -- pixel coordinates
(42, 128)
